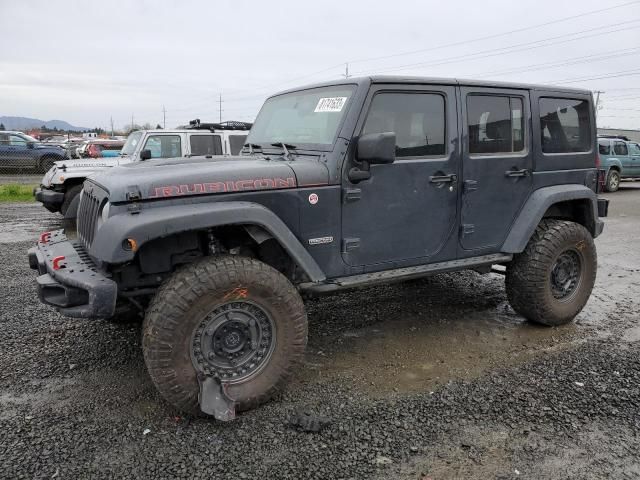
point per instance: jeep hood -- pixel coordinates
(178, 177)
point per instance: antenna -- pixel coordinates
(164, 118)
(220, 106)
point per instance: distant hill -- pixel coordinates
(25, 123)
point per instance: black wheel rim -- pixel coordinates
(233, 342)
(566, 274)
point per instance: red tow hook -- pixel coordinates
(44, 237)
(57, 262)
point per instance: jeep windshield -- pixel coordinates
(132, 142)
(308, 118)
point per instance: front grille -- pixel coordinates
(88, 212)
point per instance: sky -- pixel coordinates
(90, 62)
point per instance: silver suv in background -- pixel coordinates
(62, 183)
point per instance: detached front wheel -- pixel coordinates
(230, 318)
(551, 281)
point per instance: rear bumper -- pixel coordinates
(50, 199)
(75, 288)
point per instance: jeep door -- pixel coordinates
(496, 165)
(405, 213)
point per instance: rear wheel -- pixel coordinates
(551, 281)
(232, 318)
(613, 181)
(46, 163)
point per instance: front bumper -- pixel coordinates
(73, 285)
(50, 199)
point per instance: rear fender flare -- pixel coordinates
(158, 222)
(537, 205)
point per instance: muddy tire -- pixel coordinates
(236, 317)
(551, 281)
(69, 195)
(613, 181)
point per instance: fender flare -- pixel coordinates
(536, 206)
(614, 162)
(152, 223)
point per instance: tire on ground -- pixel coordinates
(68, 198)
(529, 274)
(185, 300)
(46, 163)
(613, 181)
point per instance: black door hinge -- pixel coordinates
(467, 228)
(352, 195)
(350, 244)
(470, 186)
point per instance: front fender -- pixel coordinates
(538, 204)
(152, 223)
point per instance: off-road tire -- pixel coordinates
(529, 274)
(613, 181)
(184, 301)
(46, 163)
(68, 198)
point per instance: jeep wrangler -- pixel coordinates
(61, 185)
(340, 185)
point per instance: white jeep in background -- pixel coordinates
(62, 183)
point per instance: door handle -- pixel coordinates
(517, 173)
(443, 178)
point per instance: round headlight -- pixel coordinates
(105, 211)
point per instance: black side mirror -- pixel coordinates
(30, 145)
(377, 148)
(145, 154)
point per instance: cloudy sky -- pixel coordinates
(85, 62)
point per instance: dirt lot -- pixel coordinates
(436, 379)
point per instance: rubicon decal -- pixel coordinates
(221, 187)
(320, 240)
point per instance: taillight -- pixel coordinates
(597, 161)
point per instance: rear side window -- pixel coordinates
(164, 146)
(418, 120)
(565, 125)
(236, 142)
(634, 149)
(205, 145)
(603, 147)
(620, 148)
(495, 123)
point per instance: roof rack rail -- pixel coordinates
(228, 125)
(617, 137)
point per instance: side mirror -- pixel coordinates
(30, 145)
(145, 154)
(377, 148)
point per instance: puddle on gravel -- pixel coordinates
(22, 222)
(414, 354)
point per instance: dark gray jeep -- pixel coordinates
(341, 185)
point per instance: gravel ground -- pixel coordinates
(436, 379)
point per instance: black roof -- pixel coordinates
(439, 81)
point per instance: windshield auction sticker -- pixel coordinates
(330, 104)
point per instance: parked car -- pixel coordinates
(619, 159)
(345, 184)
(18, 150)
(60, 186)
(104, 148)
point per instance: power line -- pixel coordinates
(624, 73)
(496, 35)
(505, 50)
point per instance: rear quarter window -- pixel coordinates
(565, 125)
(604, 147)
(236, 142)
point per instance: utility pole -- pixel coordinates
(220, 106)
(111, 126)
(164, 118)
(346, 70)
(598, 93)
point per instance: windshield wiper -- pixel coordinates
(286, 147)
(252, 146)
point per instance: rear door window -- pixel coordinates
(565, 125)
(236, 142)
(164, 146)
(205, 145)
(495, 123)
(634, 149)
(620, 148)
